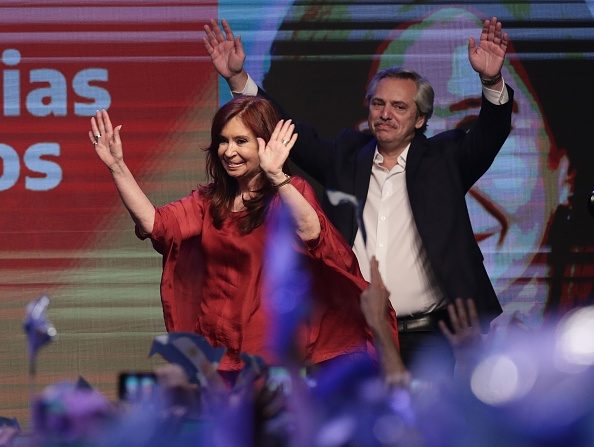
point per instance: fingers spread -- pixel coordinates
(94, 128)
(485, 30)
(285, 133)
(116, 133)
(504, 41)
(261, 145)
(218, 35)
(92, 137)
(473, 314)
(228, 31)
(292, 141)
(453, 317)
(100, 122)
(108, 128)
(445, 331)
(208, 46)
(286, 126)
(210, 38)
(239, 46)
(462, 318)
(276, 131)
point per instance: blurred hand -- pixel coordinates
(374, 299)
(465, 334)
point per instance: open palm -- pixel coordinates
(275, 152)
(226, 51)
(106, 139)
(487, 57)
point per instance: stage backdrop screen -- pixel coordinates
(64, 232)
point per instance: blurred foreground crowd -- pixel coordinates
(516, 386)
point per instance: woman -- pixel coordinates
(212, 240)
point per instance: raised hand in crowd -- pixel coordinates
(464, 335)
(374, 304)
(226, 53)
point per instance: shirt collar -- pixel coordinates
(378, 158)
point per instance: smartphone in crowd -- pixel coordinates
(279, 376)
(136, 386)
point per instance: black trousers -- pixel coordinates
(426, 353)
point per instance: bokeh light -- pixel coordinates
(500, 379)
(575, 338)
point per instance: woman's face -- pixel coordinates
(511, 204)
(238, 151)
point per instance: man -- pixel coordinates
(412, 187)
(511, 205)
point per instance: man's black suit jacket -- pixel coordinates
(439, 172)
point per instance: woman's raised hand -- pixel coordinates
(274, 153)
(106, 139)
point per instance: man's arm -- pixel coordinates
(487, 60)
(226, 53)
(487, 57)
(488, 134)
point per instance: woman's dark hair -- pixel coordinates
(260, 116)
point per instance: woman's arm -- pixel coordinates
(108, 146)
(272, 157)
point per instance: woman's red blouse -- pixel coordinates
(212, 283)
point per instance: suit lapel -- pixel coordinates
(364, 162)
(417, 149)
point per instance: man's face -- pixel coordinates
(393, 116)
